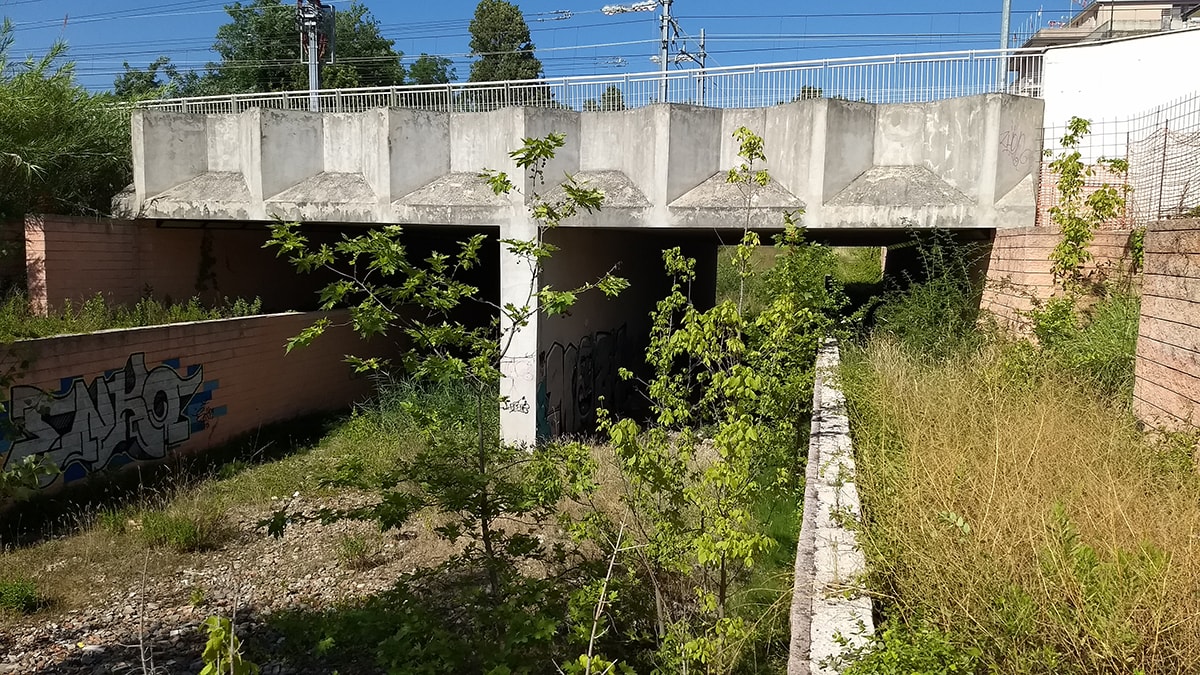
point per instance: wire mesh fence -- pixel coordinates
(898, 78)
(1162, 148)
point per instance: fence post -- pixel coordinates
(1162, 174)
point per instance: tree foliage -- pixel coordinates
(260, 51)
(611, 99)
(62, 149)
(431, 70)
(501, 39)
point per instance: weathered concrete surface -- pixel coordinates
(950, 163)
(827, 599)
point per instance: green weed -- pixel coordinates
(20, 596)
(184, 532)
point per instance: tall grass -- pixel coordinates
(1078, 549)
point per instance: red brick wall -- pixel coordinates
(73, 258)
(1166, 392)
(1019, 268)
(98, 401)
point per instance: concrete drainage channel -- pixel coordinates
(826, 601)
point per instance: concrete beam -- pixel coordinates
(407, 166)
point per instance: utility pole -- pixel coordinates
(1005, 18)
(668, 31)
(663, 50)
(308, 17)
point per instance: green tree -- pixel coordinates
(431, 70)
(612, 99)
(62, 149)
(479, 485)
(135, 83)
(260, 51)
(500, 38)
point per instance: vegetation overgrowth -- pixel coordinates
(1016, 518)
(19, 322)
(62, 148)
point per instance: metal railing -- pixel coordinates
(897, 78)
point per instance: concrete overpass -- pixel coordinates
(860, 170)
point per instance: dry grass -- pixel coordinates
(1081, 545)
(87, 558)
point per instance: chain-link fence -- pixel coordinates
(1162, 148)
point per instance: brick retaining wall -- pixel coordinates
(73, 258)
(1018, 268)
(1166, 392)
(99, 401)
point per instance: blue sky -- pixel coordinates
(573, 37)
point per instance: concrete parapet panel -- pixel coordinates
(849, 131)
(292, 148)
(606, 139)
(693, 148)
(900, 134)
(222, 138)
(955, 134)
(541, 122)
(754, 119)
(482, 140)
(342, 142)
(1019, 146)
(168, 149)
(412, 147)
(789, 133)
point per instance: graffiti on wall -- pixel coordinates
(575, 377)
(129, 414)
(1016, 146)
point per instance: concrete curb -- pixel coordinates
(825, 597)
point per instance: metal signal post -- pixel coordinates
(316, 24)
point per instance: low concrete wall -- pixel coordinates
(1018, 269)
(1166, 392)
(103, 400)
(825, 597)
(73, 258)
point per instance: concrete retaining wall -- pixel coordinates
(99, 401)
(1018, 269)
(826, 600)
(73, 258)
(1166, 392)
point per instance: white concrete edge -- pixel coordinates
(827, 598)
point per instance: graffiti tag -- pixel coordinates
(1014, 144)
(575, 377)
(132, 413)
(521, 406)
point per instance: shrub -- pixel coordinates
(184, 532)
(938, 313)
(20, 596)
(1096, 345)
(357, 552)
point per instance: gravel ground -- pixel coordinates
(251, 577)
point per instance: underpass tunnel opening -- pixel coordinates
(581, 351)
(864, 264)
